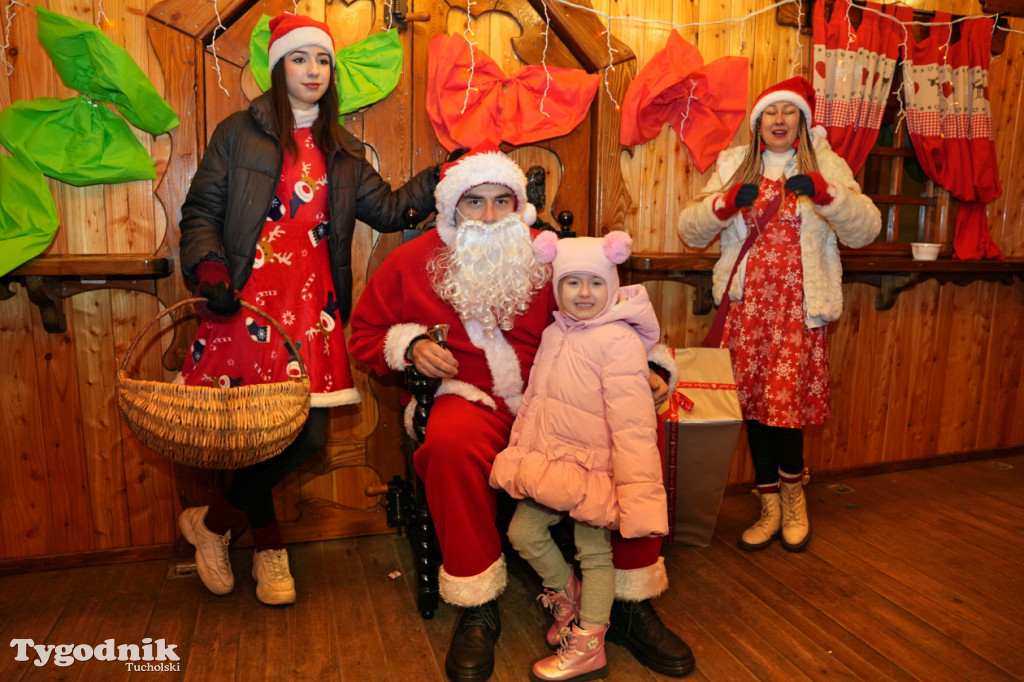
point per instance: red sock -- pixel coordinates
(267, 538)
(766, 489)
(791, 478)
(221, 516)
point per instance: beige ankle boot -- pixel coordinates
(796, 527)
(580, 657)
(765, 529)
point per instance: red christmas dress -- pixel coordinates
(290, 281)
(781, 366)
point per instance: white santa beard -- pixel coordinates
(489, 273)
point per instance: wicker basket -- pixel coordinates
(210, 427)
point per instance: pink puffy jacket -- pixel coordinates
(585, 439)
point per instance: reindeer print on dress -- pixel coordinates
(291, 281)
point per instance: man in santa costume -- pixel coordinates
(476, 272)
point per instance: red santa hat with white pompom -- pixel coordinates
(796, 90)
(484, 164)
(289, 32)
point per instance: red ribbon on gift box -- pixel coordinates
(696, 384)
(676, 402)
(680, 400)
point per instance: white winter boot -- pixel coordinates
(766, 529)
(796, 527)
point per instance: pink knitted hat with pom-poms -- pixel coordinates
(585, 255)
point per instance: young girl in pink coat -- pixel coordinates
(585, 443)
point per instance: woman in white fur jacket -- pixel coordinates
(780, 204)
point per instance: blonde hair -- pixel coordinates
(749, 170)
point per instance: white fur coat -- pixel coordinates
(851, 216)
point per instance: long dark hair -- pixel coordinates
(327, 131)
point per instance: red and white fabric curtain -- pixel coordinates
(853, 73)
(945, 90)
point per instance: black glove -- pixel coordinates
(456, 155)
(800, 185)
(812, 185)
(739, 196)
(220, 299)
(452, 158)
(746, 195)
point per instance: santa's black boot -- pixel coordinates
(636, 626)
(471, 653)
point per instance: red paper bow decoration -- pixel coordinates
(499, 108)
(704, 103)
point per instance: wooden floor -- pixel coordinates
(912, 575)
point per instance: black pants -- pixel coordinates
(773, 448)
(250, 487)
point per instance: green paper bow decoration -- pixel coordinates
(366, 72)
(27, 223)
(75, 140)
(91, 63)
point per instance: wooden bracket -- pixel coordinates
(891, 285)
(50, 279)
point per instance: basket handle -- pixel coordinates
(192, 301)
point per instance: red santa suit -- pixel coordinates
(471, 418)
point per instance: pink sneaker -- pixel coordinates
(564, 607)
(580, 657)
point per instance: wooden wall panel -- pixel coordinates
(938, 374)
(24, 501)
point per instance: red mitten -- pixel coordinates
(212, 271)
(812, 185)
(739, 196)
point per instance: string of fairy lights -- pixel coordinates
(214, 47)
(796, 60)
(10, 14)
(8, 18)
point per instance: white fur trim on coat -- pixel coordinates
(346, 396)
(397, 341)
(476, 589)
(640, 584)
(302, 36)
(851, 216)
(506, 373)
(451, 387)
(661, 355)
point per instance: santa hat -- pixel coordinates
(586, 255)
(484, 164)
(291, 31)
(795, 90)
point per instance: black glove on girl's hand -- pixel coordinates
(220, 299)
(739, 196)
(812, 185)
(800, 185)
(215, 287)
(747, 195)
(454, 156)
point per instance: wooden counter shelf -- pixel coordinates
(49, 279)
(890, 273)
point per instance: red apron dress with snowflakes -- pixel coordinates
(781, 366)
(290, 281)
